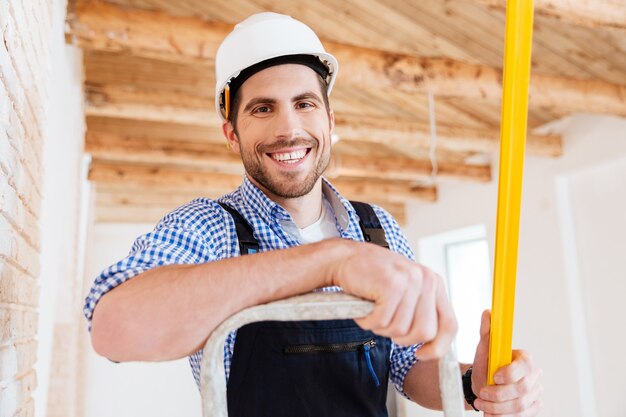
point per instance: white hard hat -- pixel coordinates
(261, 37)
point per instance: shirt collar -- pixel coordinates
(344, 212)
(270, 211)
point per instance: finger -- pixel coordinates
(485, 324)
(532, 411)
(404, 315)
(509, 392)
(425, 321)
(380, 316)
(446, 329)
(384, 308)
(517, 407)
(521, 366)
(482, 350)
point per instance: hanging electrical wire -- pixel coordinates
(432, 149)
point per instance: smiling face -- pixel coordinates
(283, 130)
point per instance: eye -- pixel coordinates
(304, 105)
(261, 109)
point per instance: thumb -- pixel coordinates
(485, 325)
(479, 373)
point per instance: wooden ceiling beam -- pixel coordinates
(217, 158)
(202, 182)
(403, 133)
(139, 150)
(403, 168)
(450, 78)
(588, 13)
(171, 107)
(153, 113)
(124, 204)
(97, 25)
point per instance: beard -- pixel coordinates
(288, 184)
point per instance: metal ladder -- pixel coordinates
(314, 306)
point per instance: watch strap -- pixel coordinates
(470, 397)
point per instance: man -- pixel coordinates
(273, 78)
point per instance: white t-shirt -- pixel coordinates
(324, 228)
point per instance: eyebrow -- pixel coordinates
(266, 100)
(258, 100)
(307, 95)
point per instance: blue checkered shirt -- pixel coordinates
(201, 231)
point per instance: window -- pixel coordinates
(462, 258)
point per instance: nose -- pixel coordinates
(287, 123)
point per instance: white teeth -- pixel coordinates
(289, 157)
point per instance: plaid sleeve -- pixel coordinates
(185, 236)
(402, 357)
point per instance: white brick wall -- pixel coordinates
(24, 78)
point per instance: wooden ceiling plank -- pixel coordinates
(198, 181)
(394, 132)
(406, 134)
(403, 168)
(452, 21)
(164, 103)
(543, 59)
(357, 99)
(119, 93)
(96, 25)
(561, 60)
(122, 68)
(189, 180)
(378, 16)
(448, 113)
(162, 151)
(558, 57)
(151, 129)
(362, 23)
(218, 158)
(580, 51)
(445, 77)
(587, 13)
(105, 27)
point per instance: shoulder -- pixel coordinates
(201, 221)
(201, 215)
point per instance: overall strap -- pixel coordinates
(247, 242)
(370, 225)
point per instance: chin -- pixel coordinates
(296, 191)
(289, 187)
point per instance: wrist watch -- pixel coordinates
(470, 397)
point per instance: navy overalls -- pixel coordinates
(329, 368)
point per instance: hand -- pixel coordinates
(517, 389)
(411, 303)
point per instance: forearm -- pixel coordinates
(168, 312)
(422, 384)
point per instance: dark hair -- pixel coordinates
(235, 101)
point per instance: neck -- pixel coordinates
(305, 210)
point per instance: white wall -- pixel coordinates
(132, 389)
(593, 170)
(63, 146)
(598, 205)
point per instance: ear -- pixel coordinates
(331, 117)
(231, 137)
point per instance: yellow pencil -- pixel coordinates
(518, 41)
